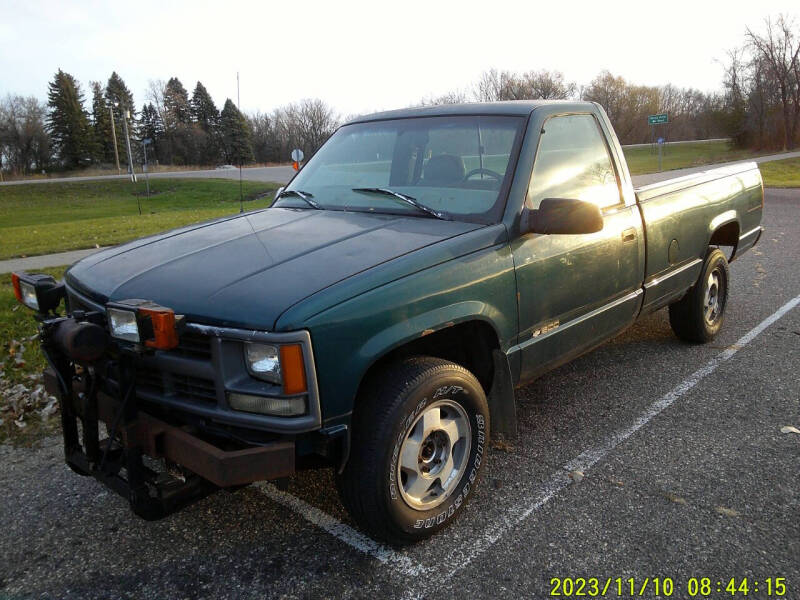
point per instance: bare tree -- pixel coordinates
(454, 97)
(306, 125)
(24, 142)
(495, 85)
(779, 49)
(490, 86)
(627, 105)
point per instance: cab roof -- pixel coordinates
(520, 108)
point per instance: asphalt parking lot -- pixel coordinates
(646, 458)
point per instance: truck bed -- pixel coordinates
(679, 214)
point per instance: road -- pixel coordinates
(641, 180)
(685, 474)
(284, 174)
(280, 174)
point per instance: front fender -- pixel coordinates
(352, 336)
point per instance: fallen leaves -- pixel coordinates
(727, 512)
(22, 395)
(675, 498)
(502, 445)
(789, 429)
(577, 476)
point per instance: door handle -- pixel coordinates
(629, 235)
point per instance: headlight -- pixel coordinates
(143, 322)
(263, 361)
(282, 365)
(40, 292)
(123, 325)
(29, 298)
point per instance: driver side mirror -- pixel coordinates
(563, 216)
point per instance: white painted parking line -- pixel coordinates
(398, 562)
(462, 557)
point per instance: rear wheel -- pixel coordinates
(418, 445)
(699, 315)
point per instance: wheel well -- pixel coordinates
(727, 235)
(468, 344)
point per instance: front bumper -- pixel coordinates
(118, 461)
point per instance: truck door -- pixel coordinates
(575, 291)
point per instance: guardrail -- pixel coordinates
(679, 142)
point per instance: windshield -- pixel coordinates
(457, 167)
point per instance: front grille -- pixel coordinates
(193, 345)
(156, 376)
(175, 385)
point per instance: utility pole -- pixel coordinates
(125, 114)
(114, 132)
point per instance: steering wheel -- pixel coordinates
(482, 171)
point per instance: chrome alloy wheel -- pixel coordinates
(434, 454)
(712, 304)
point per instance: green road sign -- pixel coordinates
(657, 119)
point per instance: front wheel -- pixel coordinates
(418, 447)
(698, 316)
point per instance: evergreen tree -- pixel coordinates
(235, 133)
(68, 121)
(101, 124)
(150, 126)
(204, 111)
(176, 102)
(120, 98)
(182, 137)
(206, 121)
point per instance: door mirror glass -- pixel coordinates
(560, 215)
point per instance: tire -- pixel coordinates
(698, 316)
(406, 478)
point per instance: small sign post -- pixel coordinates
(297, 156)
(653, 120)
(661, 119)
(145, 142)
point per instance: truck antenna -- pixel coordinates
(239, 108)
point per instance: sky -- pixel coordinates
(366, 56)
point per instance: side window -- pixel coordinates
(573, 162)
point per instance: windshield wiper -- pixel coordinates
(305, 196)
(403, 198)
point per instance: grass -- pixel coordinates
(781, 173)
(41, 219)
(644, 159)
(17, 325)
(111, 170)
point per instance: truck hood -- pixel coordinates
(247, 270)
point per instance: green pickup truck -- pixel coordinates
(378, 317)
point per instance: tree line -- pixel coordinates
(758, 106)
(70, 132)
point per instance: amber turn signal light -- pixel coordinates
(293, 369)
(165, 334)
(15, 283)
